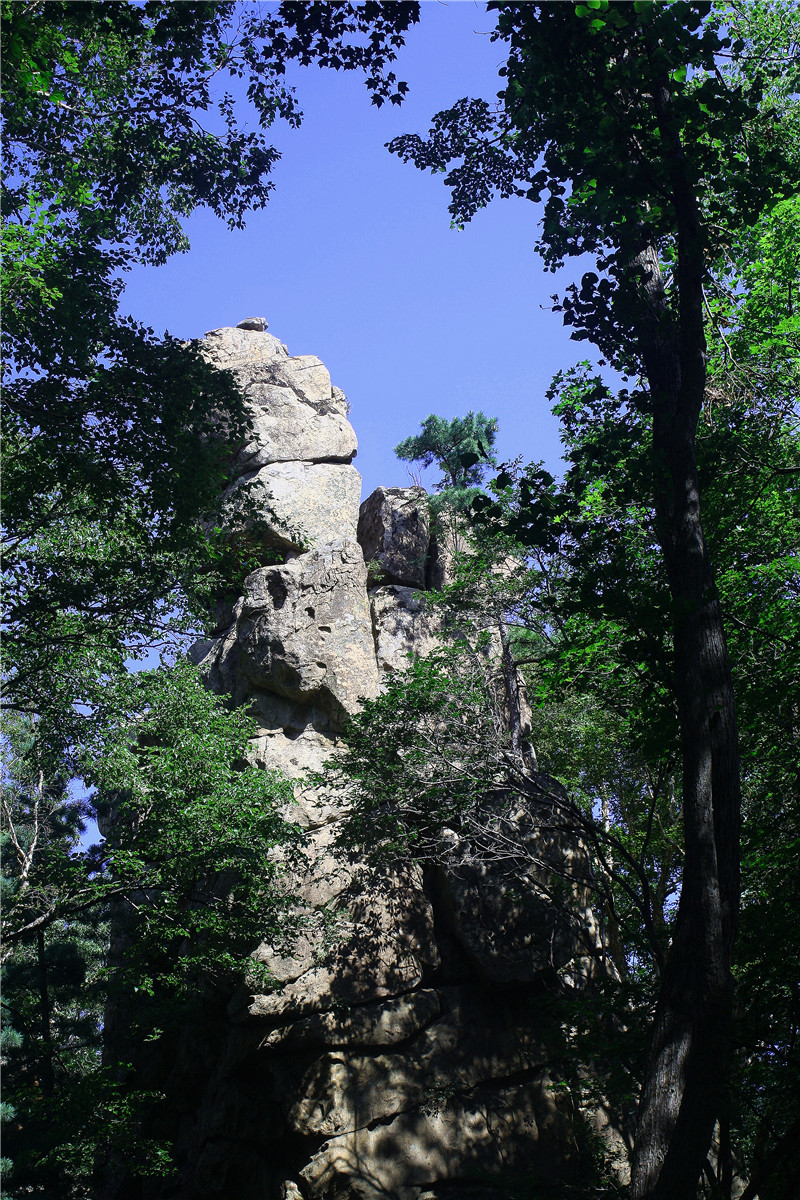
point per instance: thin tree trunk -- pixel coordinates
(683, 1087)
(520, 746)
(47, 1072)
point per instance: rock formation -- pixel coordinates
(405, 1050)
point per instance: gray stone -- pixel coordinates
(256, 323)
(369, 1025)
(448, 544)
(393, 531)
(378, 942)
(308, 378)
(296, 413)
(232, 348)
(506, 919)
(294, 756)
(503, 1130)
(274, 713)
(286, 427)
(305, 630)
(399, 1020)
(401, 626)
(347, 1089)
(296, 505)
(218, 659)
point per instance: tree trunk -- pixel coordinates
(684, 1080)
(520, 746)
(47, 1073)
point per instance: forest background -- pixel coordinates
(85, 622)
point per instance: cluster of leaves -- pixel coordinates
(116, 442)
(604, 719)
(187, 870)
(573, 570)
(461, 448)
(662, 139)
(593, 153)
(119, 120)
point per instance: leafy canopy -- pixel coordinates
(461, 449)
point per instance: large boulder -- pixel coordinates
(393, 1043)
(296, 505)
(493, 1131)
(394, 531)
(297, 414)
(518, 919)
(231, 348)
(286, 427)
(305, 630)
(368, 936)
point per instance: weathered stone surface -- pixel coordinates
(305, 631)
(286, 427)
(371, 1025)
(448, 543)
(297, 414)
(308, 378)
(379, 942)
(394, 531)
(275, 713)
(508, 1129)
(345, 1090)
(401, 1022)
(297, 505)
(230, 348)
(294, 756)
(401, 625)
(505, 922)
(219, 660)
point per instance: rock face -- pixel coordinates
(404, 1052)
(394, 532)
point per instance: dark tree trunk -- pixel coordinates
(684, 1082)
(47, 1079)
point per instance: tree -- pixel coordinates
(188, 870)
(604, 670)
(654, 130)
(118, 442)
(432, 771)
(461, 449)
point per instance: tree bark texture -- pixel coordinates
(520, 747)
(46, 1016)
(684, 1083)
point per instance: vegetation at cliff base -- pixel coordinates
(663, 142)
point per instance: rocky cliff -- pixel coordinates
(403, 1048)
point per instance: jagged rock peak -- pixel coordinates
(298, 415)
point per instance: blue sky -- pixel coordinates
(354, 260)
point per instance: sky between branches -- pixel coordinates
(353, 259)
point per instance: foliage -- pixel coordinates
(118, 122)
(660, 134)
(187, 870)
(187, 830)
(117, 125)
(594, 146)
(460, 448)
